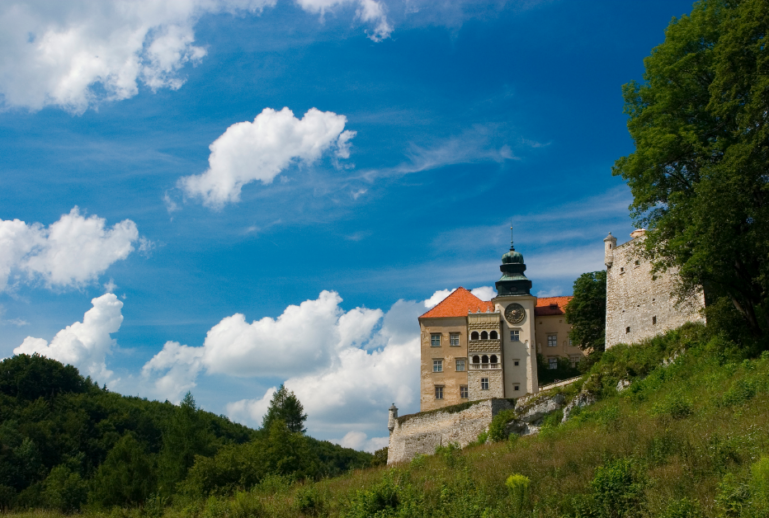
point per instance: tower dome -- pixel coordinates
(512, 257)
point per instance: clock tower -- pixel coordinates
(516, 305)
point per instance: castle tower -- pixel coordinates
(516, 304)
(392, 418)
(609, 244)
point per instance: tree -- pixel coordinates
(126, 477)
(699, 171)
(586, 312)
(286, 407)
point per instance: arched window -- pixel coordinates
(493, 358)
(493, 335)
(484, 359)
(484, 335)
(474, 335)
(476, 359)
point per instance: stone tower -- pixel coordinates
(392, 418)
(609, 244)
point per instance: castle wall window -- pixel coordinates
(654, 321)
(574, 359)
(463, 392)
(476, 359)
(484, 335)
(493, 335)
(552, 340)
(435, 340)
(460, 365)
(552, 363)
(454, 339)
(484, 383)
(515, 335)
(627, 330)
(474, 335)
(484, 359)
(493, 358)
(516, 362)
(437, 365)
(438, 392)
(516, 387)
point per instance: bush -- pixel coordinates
(675, 406)
(618, 489)
(518, 487)
(309, 501)
(64, 490)
(683, 508)
(499, 424)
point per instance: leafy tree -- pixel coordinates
(699, 172)
(64, 489)
(586, 312)
(126, 477)
(285, 406)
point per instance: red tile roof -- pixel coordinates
(459, 304)
(551, 306)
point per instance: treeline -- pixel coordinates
(66, 443)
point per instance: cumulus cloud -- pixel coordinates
(368, 11)
(346, 367)
(360, 441)
(83, 344)
(484, 292)
(260, 150)
(71, 252)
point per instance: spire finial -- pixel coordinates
(511, 235)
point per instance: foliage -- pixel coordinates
(380, 457)
(586, 312)
(618, 489)
(499, 424)
(127, 477)
(518, 486)
(698, 173)
(285, 406)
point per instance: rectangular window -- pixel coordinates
(437, 365)
(515, 335)
(463, 392)
(454, 339)
(574, 359)
(654, 321)
(516, 362)
(460, 365)
(484, 383)
(627, 330)
(552, 340)
(516, 387)
(435, 340)
(438, 392)
(552, 363)
(571, 343)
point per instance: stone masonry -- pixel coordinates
(421, 433)
(639, 307)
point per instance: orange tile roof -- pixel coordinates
(459, 304)
(551, 306)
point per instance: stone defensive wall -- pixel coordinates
(421, 433)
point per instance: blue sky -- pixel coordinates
(461, 116)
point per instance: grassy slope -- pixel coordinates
(689, 432)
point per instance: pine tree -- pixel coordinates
(286, 407)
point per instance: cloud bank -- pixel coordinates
(83, 344)
(259, 151)
(71, 252)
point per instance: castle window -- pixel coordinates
(654, 321)
(437, 365)
(574, 359)
(476, 359)
(435, 340)
(484, 335)
(454, 339)
(552, 363)
(493, 335)
(484, 359)
(571, 344)
(438, 392)
(484, 383)
(493, 358)
(515, 335)
(463, 392)
(637, 263)
(622, 270)
(474, 335)
(516, 387)
(516, 362)
(627, 330)
(460, 365)
(552, 340)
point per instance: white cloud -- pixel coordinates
(437, 298)
(484, 292)
(83, 344)
(259, 151)
(360, 441)
(69, 253)
(346, 367)
(76, 53)
(553, 292)
(367, 11)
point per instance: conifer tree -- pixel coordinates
(286, 407)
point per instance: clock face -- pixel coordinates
(514, 313)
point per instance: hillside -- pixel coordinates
(66, 443)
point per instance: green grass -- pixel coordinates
(683, 441)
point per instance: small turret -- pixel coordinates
(393, 417)
(609, 244)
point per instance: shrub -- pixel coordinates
(499, 423)
(309, 501)
(739, 393)
(675, 406)
(684, 508)
(377, 501)
(759, 484)
(518, 486)
(732, 497)
(618, 489)
(449, 453)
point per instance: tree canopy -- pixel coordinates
(586, 312)
(699, 173)
(285, 406)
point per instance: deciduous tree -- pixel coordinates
(586, 312)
